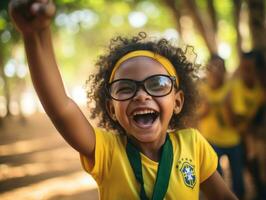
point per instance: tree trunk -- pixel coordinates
(257, 23)
(208, 36)
(171, 4)
(237, 9)
(6, 86)
(213, 16)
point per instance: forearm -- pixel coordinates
(215, 188)
(64, 113)
(44, 72)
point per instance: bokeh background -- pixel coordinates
(35, 162)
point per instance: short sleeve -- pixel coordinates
(208, 159)
(103, 155)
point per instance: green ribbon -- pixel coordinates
(163, 172)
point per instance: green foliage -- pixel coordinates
(202, 4)
(78, 40)
(224, 10)
(3, 4)
(2, 23)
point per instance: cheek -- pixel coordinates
(168, 104)
(120, 110)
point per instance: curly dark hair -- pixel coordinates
(118, 47)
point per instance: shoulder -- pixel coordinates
(107, 133)
(108, 137)
(188, 133)
(189, 138)
(186, 138)
(108, 145)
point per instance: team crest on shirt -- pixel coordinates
(188, 173)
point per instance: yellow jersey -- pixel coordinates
(213, 126)
(246, 101)
(194, 161)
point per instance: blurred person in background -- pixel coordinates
(246, 97)
(215, 121)
(256, 162)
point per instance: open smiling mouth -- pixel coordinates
(145, 118)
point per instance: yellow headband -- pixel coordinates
(162, 60)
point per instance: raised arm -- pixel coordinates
(32, 19)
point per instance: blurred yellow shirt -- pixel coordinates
(213, 126)
(246, 101)
(194, 161)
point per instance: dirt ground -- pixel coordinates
(37, 164)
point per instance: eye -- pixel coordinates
(124, 90)
(122, 87)
(159, 83)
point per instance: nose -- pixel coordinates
(141, 95)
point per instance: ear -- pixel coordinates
(110, 109)
(179, 101)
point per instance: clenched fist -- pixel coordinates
(31, 16)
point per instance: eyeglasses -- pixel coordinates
(155, 85)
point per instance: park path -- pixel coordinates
(37, 164)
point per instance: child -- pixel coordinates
(142, 90)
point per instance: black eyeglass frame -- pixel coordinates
(140, 84)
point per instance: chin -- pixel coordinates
(146, 137)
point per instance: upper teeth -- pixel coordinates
(142, 112)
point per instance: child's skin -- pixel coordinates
(66, 115)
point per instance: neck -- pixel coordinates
(151, 149)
